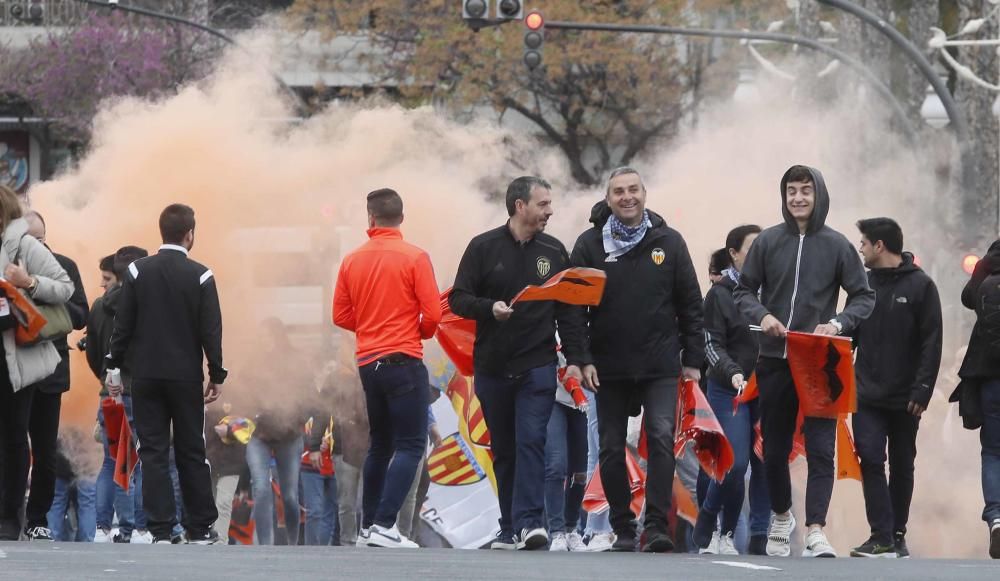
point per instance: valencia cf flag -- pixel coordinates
(848, 465)
(126, 457)
(697, 423)
(823, 371)
(750, 392)
(114, 412)
(453, 463)
(573, 286)
(457, 336)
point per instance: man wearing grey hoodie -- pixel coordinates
(791, 281)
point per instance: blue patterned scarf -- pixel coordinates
(619, 238)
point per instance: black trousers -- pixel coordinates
(887, 504)
(158, 406)
(616, 401)
(15, 409)
(779, 409)
(43, 427)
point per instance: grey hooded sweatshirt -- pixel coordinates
(799, 276)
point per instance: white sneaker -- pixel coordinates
(574, 542)
(779, 542)
(601, 542)
(713, 546)
(558, 542)
(532, 539)
(362, 540)
(727, 546)
(141, 538)
(389, 537)
(102, 536)
(817, 545)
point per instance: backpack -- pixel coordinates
(988, 312)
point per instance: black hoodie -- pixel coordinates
(100, 324)
(649, 322)
(730, 347)
(799, 276)
(980, 361)
(899, 345)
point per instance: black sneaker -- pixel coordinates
(655, 541)
(168, 540)
(504, 542)
(38, 534)
(902, 551)
(122, 538)
(532, 539)
(209, 537)
(757, 545)
(875, 548)
(704, 527)
(995, 539)
(624, 543)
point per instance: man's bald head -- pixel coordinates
(36, 225)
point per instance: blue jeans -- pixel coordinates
(727, 496)
(565, 467)
(288, 456)
(517, 412)
(111, 498)
(86, 514)
(397, 396)
(319, 495)
(597, 522)
(989, 437)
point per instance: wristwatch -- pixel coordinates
(33, 285)
(836, 323)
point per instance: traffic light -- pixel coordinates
(534, 38)
(510, 10)
(969, 262)
(475, 9)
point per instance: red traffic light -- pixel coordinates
(534, 20)
(969, 262)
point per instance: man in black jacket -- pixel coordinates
(168, 317)
(646, 333)
(46, 402)
(899, 354)
(515, 351)
(798, 268)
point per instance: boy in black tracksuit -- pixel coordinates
(645, 334)
(168, 321)
(899, 353)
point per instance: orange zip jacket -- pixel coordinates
(387, 295)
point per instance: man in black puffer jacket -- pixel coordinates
(646, 332)
(899, 354)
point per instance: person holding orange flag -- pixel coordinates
(899, 354)
(731, 352)
(791, 281)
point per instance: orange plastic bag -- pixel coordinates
(697, 423)
(573, 286)
(823, 371)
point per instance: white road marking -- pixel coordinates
(744, 565)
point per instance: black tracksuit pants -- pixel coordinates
(887, 504)
(43, 427)
(779, 409)
(157, 406)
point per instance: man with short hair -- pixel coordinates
(46, 402)
(644, 336)
(107, 268)
(791, 281)
(515, 351)
(168, 323)
(899, 354)
(386, 294)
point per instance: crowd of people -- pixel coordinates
(343, 460)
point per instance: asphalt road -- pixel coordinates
(80, 561)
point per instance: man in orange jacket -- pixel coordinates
(386, 295)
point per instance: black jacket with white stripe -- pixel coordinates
(168, 315)
(730, 347)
